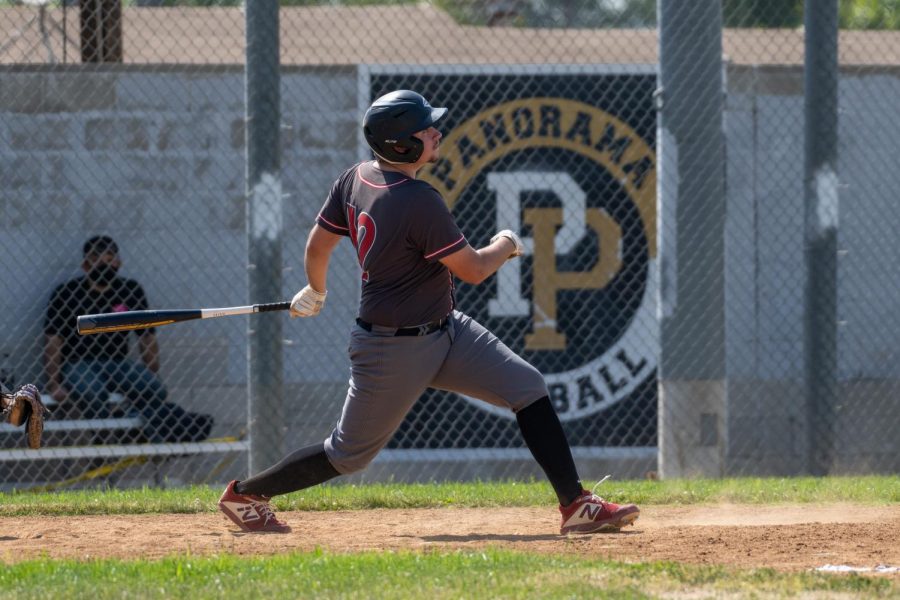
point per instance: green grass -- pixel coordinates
(199, 499)
(489, 574)
(493, 573)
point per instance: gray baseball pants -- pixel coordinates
(388, 374)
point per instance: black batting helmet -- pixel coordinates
(393, 118)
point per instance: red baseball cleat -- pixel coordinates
(249, 512)
(590, 513)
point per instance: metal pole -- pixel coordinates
(264, 232)
(820, 228)
(691, 191)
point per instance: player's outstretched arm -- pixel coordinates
(319, 246)
(474, 266)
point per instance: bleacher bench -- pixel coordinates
(108, 450)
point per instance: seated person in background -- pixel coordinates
(82, 370)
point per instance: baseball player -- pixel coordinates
(409, 335)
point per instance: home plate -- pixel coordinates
(849, 569)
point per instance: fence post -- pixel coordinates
(691, 196)
(820, 95)
(264, 231)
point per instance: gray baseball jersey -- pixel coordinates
(401, 228)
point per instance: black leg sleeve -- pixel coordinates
(546, 439)
(298, 470)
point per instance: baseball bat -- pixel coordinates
(142, 319)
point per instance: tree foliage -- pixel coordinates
(762, 13)
(854, 14)
(870, 14)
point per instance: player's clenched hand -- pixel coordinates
(519, 247)
(307, 302)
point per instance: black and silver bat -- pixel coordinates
(142, 319)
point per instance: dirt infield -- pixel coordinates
(785, 537)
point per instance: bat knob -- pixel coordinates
(82, 323)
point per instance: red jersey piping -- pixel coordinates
(332, 224)
(461, 238)
(377, 185)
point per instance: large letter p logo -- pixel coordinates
(548, 281)
(554, 231)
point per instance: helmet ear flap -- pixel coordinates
(405, 150)
(412, 149)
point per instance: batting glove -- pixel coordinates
(307, 302)
(514, 238)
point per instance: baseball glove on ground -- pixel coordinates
(25, 406)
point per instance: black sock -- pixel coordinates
(546, 439)
(298, 470)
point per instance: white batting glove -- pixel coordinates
(514, 238)
(307, 302)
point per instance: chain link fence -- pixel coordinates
(707, 284)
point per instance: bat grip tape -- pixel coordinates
(273, 306)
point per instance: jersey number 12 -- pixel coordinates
(362, 234)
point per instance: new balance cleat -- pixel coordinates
(590, 513)
(249, 512)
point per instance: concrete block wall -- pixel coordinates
(765, 272)
(155, 158)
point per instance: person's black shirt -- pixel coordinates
(75, 297)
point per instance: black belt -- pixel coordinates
(426, 329)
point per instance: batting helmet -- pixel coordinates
(393, 118)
